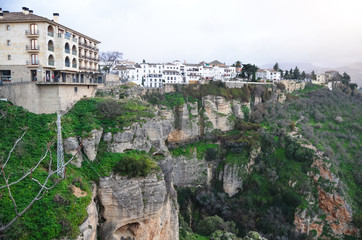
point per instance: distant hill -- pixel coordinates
(354, 70)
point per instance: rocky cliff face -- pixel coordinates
(337, 211)
(88, 229)
(140, 208)
(217, 113)
(141, 136)
(189, 172)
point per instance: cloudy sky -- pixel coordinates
(322, 32)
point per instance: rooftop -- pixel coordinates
(26, 16)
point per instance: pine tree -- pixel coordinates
(296, 73)
(276, 67)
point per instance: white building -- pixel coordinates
(193, 72)
(268, 74)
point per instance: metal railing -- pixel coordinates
(28, 32)
(74, 65)
(34, 48)
(51, 63)
(51, 49)
(33, 62)
(51, 34)
(66, 36)
(74, 52)
(67, 50)
(67, 64)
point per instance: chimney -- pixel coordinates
(1, 13)
(56, 17)
(31, 11)
(25, 10)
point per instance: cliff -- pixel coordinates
(139, 208)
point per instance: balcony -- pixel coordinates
(32, 33)
(51, 49)
(51, 34)
(74, 65)
(34, 63)
(66, 36)
(74, 53)
(51, 63)
(67, 64)
(66, 50)
(32, 48)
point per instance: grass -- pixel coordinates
(59, 213)
(198, 148)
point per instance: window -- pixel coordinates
(75, 89)
(9, 57)
(5, 75)
(33, 29)
(34, 44)
(34, 59)
(8, 42)
(8, 28)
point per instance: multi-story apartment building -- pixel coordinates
(268, 74)
(45, 66)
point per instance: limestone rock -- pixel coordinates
(107, 137)
(140, 208)
(88, 229)
(90, 144)
(232, 182)
(189, 172)
(71, 145)
(142, 136)
(217, 111)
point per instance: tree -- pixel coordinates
(45, 185)
(109, 59)
(313, 75)
(296, 73)
(238, 64)
(346, 78)
(286, 75)
(249, 71)
(276, 67)
(303, 75)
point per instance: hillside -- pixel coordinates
(192, 163)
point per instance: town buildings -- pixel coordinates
(45, 66)
(268, 74)
(153, 75)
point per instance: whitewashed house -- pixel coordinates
(268, 74)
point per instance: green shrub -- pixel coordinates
(209, 225)
(135, 165)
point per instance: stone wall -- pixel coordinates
(46, 98)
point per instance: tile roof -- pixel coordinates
(19, 17)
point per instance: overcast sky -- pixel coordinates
(322, 32)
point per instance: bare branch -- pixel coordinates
(11, 151)
(43, 186)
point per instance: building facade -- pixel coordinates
(42, 52)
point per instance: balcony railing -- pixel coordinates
(67, 37)
(33, 62)
(51, 34)
(32, 48)
(31, 33)
(51, 63)
(67, 50)
(67, 64)
(74, 65)
(51, 49)
(74, 52)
